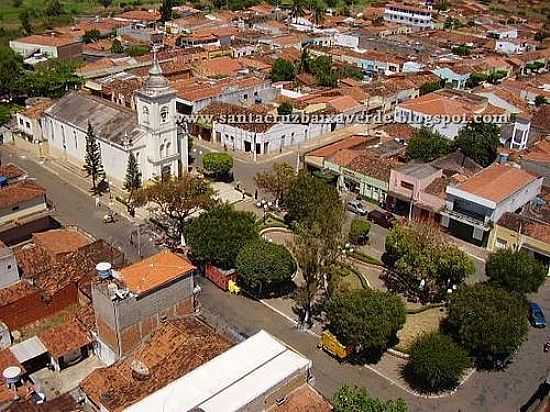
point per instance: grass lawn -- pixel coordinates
(417, 323)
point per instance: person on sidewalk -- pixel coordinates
(97, 202)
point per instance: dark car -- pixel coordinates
(384, 219)
(536, 316)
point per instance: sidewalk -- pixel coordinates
(73, 175)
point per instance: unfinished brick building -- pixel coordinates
(130, 304)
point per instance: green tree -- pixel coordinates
(427, 145)
(284, 108)
(310, 200)
(93, 165)
(175, 199)
(321, 68)
(116, 47)
(490, 323)
(359, 231)
(11, 71)
(277, 181)
(218, 235)
(417, 253)
(137, 50)
(105, 3)
(282, 70)
(436, 363)
(476, 79)
(430, 87)
(91, 36)
(365, 318)
(264, 266)
(355, 399)
(515, 271)
(462, 50)
(52, 78)
(132, 183)
(54, 8)
(17, 3)
(540, 100)
(479, 141)
(318, 8)
(217, 165)
(25, 20)
(540, 36)
(166, 10)
(297, 10)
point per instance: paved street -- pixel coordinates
(495, 391)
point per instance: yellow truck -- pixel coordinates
(332, 345)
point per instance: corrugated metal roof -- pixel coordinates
(28, 349)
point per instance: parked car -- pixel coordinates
(536, 316)
(384, 219)
(356, 207)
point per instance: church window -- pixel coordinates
(168, 149)
(146, 114)
(161, 150)
(164, 114)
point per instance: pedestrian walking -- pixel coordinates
(97, 202)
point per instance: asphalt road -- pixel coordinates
(505, 391)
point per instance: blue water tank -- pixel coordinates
(3, 181)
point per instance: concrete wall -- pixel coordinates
(22, 210)
(123, 324)
(9, 273)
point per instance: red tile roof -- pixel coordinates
(347, 143)
(175, 349)
(497, 182)
(155, 271)
(49, 39)
(11, 171)
(65, 338)
(60, 241)
(15, 292)
(20, 192)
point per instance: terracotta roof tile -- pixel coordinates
(61, 241)
(497, 182)
(15, 292)
(527, 226)
(155, 271)
(35, 111)
(347, 143)
(11, 171)
(20, 192)
(64, 338)
(49, 39)
(175, 349)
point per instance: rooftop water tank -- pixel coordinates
(12, 374)
(104, 270)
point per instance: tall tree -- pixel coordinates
(93, 165)
(166, 10)
(297, 10)
(355, 399)
(176, 199)
(276, 182)
(318, 8)
(132, 182)
(479, 141)
(515, 271)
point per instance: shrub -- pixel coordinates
(490, 323)
(436, 362)
(369, 318)
(515, 271)
(264, 266)
(359, 231)
(218, 165)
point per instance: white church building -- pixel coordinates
(150, 132)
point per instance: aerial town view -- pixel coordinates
(274, 205)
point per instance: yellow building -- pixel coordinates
(528, 233)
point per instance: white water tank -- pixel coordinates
(104, 270)
(12, 374)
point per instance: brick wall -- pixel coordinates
(33, 307)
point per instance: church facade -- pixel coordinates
(150, 132)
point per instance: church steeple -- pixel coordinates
(156, 80)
